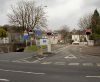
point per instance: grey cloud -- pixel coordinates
(89, 3)
(53, 3)
(4, 5)
(70, 19)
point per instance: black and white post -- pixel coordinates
(49, 41)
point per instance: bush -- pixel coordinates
(3, 33)
(94, 36)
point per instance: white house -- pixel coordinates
(76, 38)
(4, 40)
(79, 39)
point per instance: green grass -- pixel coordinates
(34, 48)
(31, 48)
(44, 46)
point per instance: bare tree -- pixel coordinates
(64, 31)
(85, 22)
(27, 15)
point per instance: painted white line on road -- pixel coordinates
(70, 57)
(19, 61)
(93, 76)
(46, 62)
(73, 64)
(36, 61)
(22, 72)
(87, 64)
(60, 63)
(98, 64)
(41, 58)
(4, 80)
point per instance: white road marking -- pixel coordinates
(25, 61)
(60, 63)
(17, 61)
(70, 56)
(98, 64)
(36, 61)
(25, 58)
(22, 72)
(87, 64)
(74, 64)
(5, 80)
(46, 62)
(93, 76)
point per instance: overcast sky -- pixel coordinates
(59, 12)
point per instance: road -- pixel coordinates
(12, 56)
(68, 65)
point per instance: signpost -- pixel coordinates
(25, 36)
(38, 35)
(43, 41)
(37, 32)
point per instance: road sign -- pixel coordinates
(38, 32)
(25, 36)
(43, 41)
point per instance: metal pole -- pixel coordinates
(26, 43)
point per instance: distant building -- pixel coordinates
(55, 37)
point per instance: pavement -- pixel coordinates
(69, 64)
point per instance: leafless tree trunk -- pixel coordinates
(64, 32)
(27, 15)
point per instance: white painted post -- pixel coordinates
(87, 38)
(49, 44)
